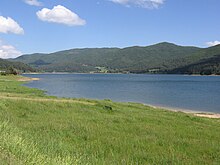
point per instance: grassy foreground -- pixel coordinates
(39, 129)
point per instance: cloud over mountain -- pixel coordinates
(60, 14)
(8, 51)
(212, 43)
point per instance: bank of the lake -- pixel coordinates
(191, 93)
(40, 129)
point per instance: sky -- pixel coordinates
(45, 26)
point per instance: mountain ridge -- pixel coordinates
(162, 58)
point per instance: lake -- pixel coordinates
(196, 93)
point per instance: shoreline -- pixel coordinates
(187, 111)
(26, 79)
(212, 115)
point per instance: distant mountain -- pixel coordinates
(159, 58)
(5, 65)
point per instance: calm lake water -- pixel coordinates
(198, 93)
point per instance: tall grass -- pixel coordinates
(24, 151)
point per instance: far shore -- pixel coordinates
(118, 73)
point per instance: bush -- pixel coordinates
(108, 108)
(9, 71)
(12, 70)
(3, 73)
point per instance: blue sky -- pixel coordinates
(29, 26)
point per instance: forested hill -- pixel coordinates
(159, 58)
(6, 65)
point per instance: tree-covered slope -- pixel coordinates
(208, 63)
(5, 65)
(161, 57)
(204, 67)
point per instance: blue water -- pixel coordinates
(198, 93)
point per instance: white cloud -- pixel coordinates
(8, 51)
(33, 2)
(8, 25)
(60, 14)
(212, 43)
(149, 4)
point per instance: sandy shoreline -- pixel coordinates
(213, 116)
(23, 79)
(187, 111)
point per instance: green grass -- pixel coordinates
(48, 130)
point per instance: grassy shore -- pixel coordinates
(40, 129)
